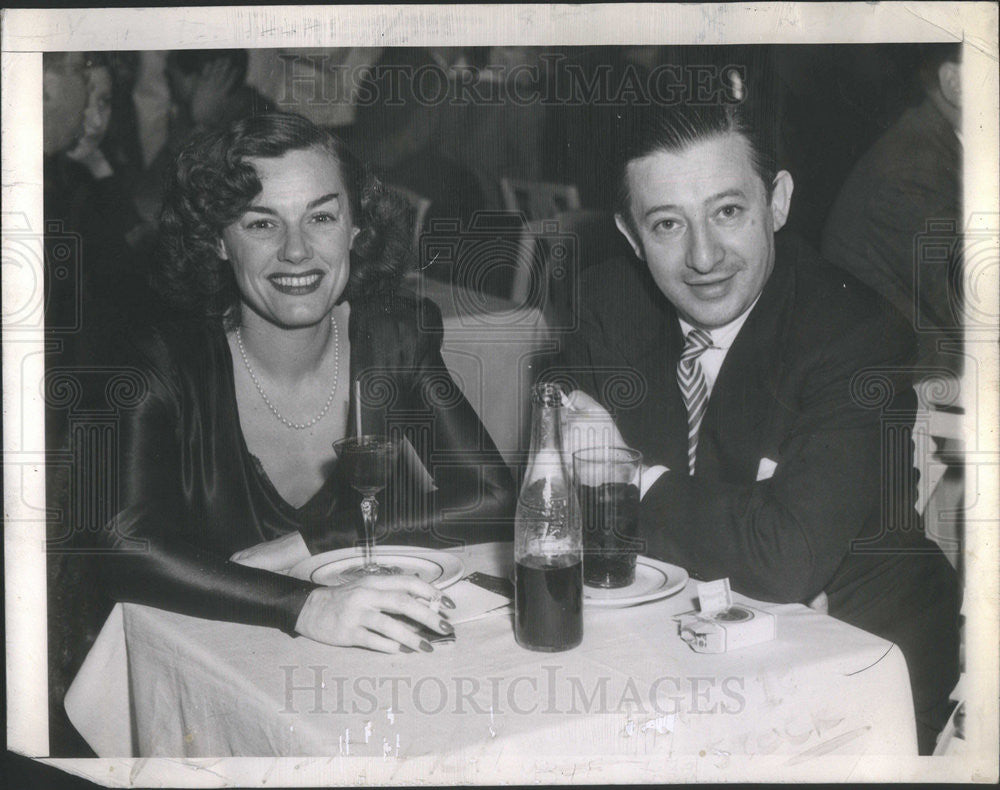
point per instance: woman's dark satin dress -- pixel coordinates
(191, 493)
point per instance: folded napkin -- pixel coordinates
(473, 602)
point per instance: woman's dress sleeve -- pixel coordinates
(155, 551)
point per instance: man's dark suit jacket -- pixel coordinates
(816, 382)
(878, 227)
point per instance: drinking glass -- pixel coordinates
(367, 461)
(607, 482)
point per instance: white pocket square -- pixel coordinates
(765, 469)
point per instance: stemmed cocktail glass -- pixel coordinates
(367, 461)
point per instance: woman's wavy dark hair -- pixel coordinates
(211, 186)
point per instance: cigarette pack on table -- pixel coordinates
(719, 632)
(721, 625)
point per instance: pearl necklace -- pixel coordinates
(298, 426)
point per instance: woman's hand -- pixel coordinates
(358, 614)
(88, 154)
(279, 554)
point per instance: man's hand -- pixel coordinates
(278, 555)
(587, 424)
(216, 81)
(361, 614)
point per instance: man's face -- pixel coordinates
(64, 100)
(702, 222)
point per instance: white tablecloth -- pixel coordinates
(632, 695)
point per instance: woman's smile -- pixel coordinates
(297, 284)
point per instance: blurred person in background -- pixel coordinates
(401, 130)
(911, 176)
(102, 190)
(64, 101)
(319, 83)
(73, 621)
(84, 200)
(207, 90)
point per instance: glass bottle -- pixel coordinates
(548, 545)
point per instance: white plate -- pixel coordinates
(653, 580)
(434, 567)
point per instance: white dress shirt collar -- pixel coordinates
(723, 336)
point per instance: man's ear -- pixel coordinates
(221, 251)
(354, 234)
(627, 232)
(781, 198)
(950, 80)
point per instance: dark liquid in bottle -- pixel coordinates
(548, 599)
(610, 518)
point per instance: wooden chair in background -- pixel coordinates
(493, 197)
(555, 252)
(939, 443)
(941, 437)
(538, 200)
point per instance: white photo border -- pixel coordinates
(27, 33)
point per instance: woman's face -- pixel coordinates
(290, 251)
(98, 113)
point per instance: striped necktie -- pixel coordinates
(694, 387)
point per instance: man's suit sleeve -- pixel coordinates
(589, 355)
(782, 539)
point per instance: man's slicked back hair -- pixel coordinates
(653, 128)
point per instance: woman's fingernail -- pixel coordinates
(447, 602)
(406, 649)
(426, 646)
(447, 627)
